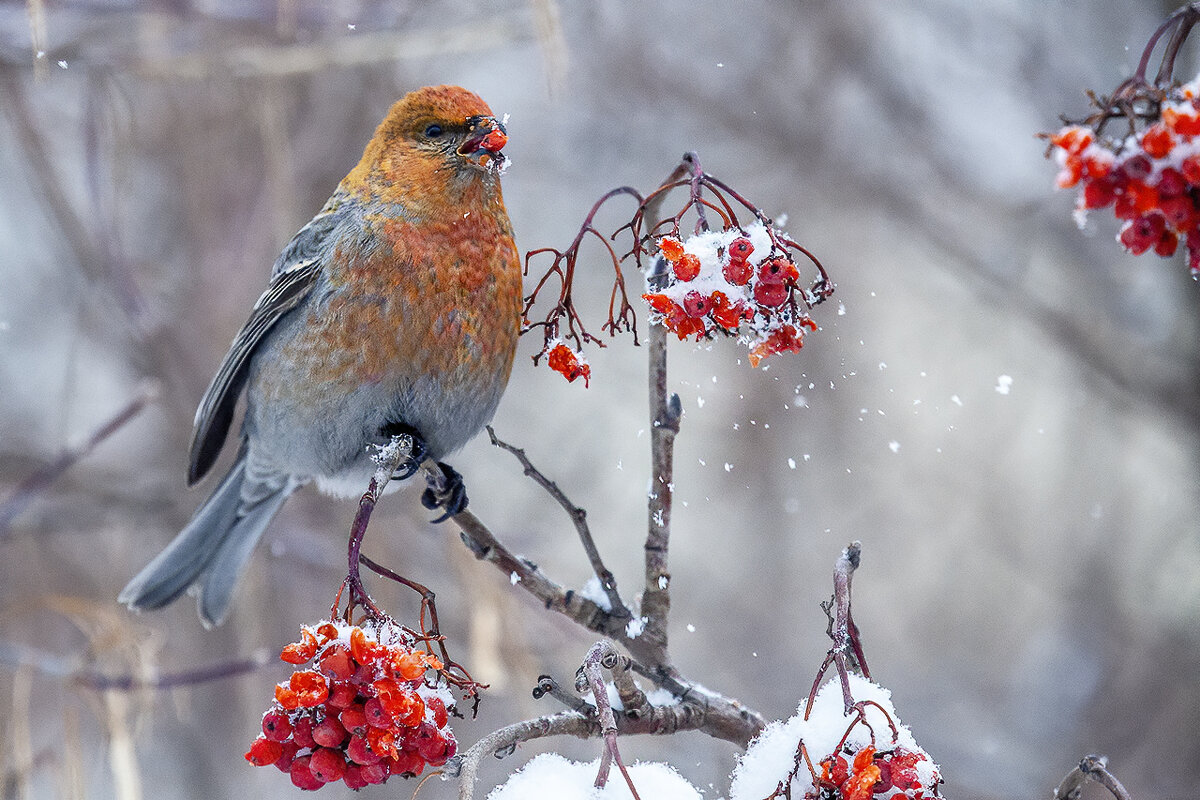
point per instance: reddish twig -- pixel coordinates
(589, 678)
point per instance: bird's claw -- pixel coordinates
(412, 463)
(451, 497)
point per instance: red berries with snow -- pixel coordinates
(1150, 177)
(360, 713)
(717, 285)
(567, 362)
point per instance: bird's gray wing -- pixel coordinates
(292, 278)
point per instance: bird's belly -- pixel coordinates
(318, 401)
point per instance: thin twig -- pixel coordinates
(578, 516)
(840, 631)
(503, 742)
(548, 686)
(602, 655)
(39, 482)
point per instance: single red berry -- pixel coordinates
(329, 732)
(1072, 139)
(1191, 169)
(696, 305)
(302, 776)
(337, 663)
(1136, 168)
(360, 752)
(276, 727)
(1171, 183)
(1098, 193)
(1157, 141)
(354, 778)
(740, 249)
(327, 765)
(1166, 244)
(377, 717)
(353, 719)
(343, 695)
(771, 295)
(884, 783)
(687, 267)
(302, 730)
(263, 752)
(737, 272)
(374, 773)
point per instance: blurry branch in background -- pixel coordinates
(1091, 768)
(548, 22)
(39, 482)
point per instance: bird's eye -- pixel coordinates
(433, 131)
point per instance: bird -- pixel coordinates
(396, 309)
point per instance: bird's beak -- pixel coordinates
(486, 138)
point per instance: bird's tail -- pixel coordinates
(211, 552)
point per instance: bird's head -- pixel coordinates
(448, 124)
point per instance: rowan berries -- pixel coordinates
(717, 285)
(1150, 179)
(363, 713)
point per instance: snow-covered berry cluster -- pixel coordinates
(1150, 177)
(360, 712)
(827, 753)
(734, 282)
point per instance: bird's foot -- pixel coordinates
(451, 496)
(410, 465)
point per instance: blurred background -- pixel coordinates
(1002, 407)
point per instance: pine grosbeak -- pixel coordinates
(396, 309)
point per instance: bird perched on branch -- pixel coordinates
(395, 310)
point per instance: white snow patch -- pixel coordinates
(551, 775)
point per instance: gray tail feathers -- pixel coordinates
(211, 552)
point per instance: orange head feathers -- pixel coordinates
(425, 133)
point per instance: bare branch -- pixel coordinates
(37, 483)
(608, 581)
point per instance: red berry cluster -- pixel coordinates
(567, 362)
(716, 286)
(359, 714)
(1150, 178)
(871, 774)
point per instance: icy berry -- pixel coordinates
(570, 365)
(740, 249)
(1171, 183)
(327, 765)
(329, 732)
(687, 267)
(263, 752)
(737, 272)
(302, 651)
(771, 294)
(376, 716)
(696, 305)
(337, 663)
(494, 141)
(1157, 141)
(670, 247)
(1136, 168)
(360, 752)
(276, 726)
